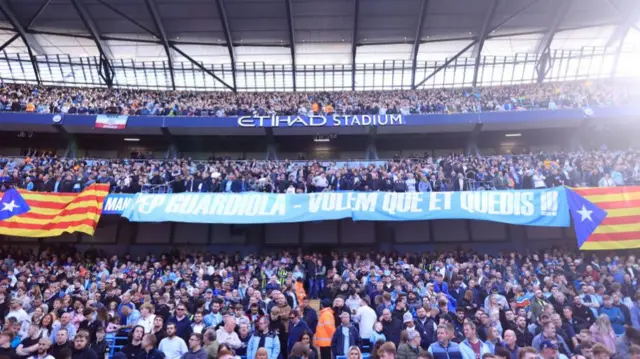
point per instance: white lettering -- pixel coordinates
(366, 202)
(396, 120)
(336, 120)
(246, 121)
(433, 202)
(203, 206)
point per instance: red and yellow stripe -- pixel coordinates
(621, 228)
(52, 214)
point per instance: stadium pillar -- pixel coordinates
(72, 148)
(371, 153)
(471, 148)
(271, 153)
(172, 150)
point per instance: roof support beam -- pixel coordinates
(542, 49)
(545, 42)
(618, 36)
(151, 6)
(107, 72)
(417, 40)
(627, 22)
(222, 13)
(28, 39)
(447, 63)
(201, 67)
(354, 43)
(8, 42)
(291, 40)
(127, 17)
(477, 48)
(37, 14)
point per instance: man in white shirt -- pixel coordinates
(365, 317)
(172, 346)
(227, 335)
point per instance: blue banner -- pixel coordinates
(321, 121)
(524, 207)
(391, 122)
(116, 203)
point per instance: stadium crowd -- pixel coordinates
(48, 173)
(38, 99)
(59, 303)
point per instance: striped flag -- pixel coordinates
(524, 301)
(51, 214)
(620, 229)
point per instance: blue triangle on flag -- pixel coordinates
(12, 204)
(586, 216)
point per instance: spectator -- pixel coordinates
(603, 333)
(134, 347)
(227, 335)
(297, 327)
(195, 348)
(471, 346)
(411, 349)
(149, 350)
(344, 336)
(211, 345)
(444, 347)
(81, 348)
(61, 344)
(173, 346)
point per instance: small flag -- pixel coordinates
(586, 216)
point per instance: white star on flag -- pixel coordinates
(10, 206)
(585, 214)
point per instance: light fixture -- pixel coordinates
(131, 139)
(512, 135)
(321, 139)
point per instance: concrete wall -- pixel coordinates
(118, 236)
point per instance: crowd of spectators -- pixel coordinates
(67, 100)
(48, 173)
(59, 303)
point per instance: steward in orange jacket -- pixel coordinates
(325, 329)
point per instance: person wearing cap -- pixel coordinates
(411, 349)
(549, 334)
(325, 329)
(472, 347)
(549, 350)
(407, 322)
(345, 336)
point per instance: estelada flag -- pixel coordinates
(38, 214)
(620, 229)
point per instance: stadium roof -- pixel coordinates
(311, 31)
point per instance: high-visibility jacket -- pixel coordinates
(300, 292)
(325, 329)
